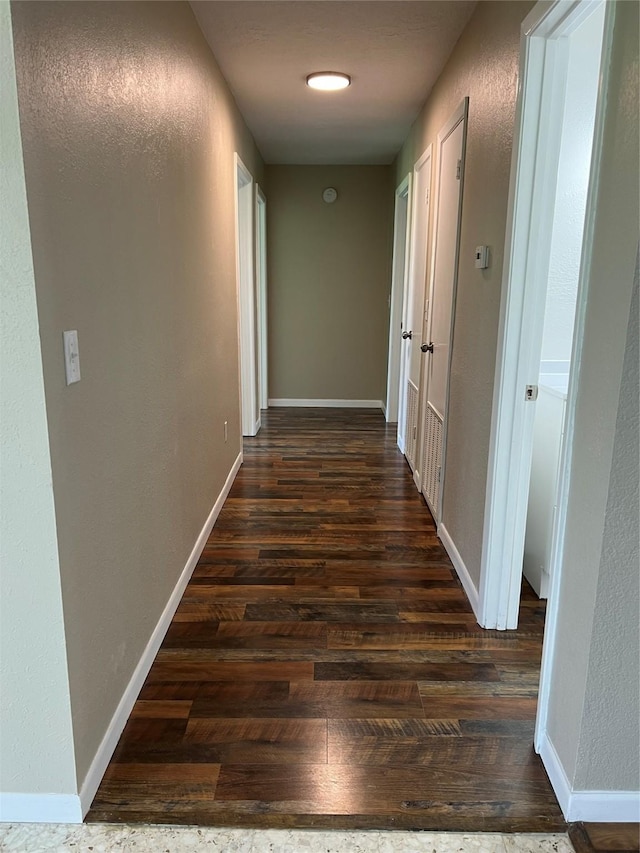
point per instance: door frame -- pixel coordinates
(245, 290)
(399, 278)
(460, 114)
(543, 65)
(407, 298)
(261, 280)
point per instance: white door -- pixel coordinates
(261, 278)
(396, 298)
(413, 315)
(246, 290)
(444, 273)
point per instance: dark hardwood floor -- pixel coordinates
(324, 668)
(605, 837)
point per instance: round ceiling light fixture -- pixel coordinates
(328, 81)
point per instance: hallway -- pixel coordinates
(324, 668)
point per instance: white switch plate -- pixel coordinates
(71, 356)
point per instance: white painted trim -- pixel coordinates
(461, 114)
(595, 806)
(555, 772)
(245, 289)
(40, 808)
(297, 402)
(261, 281)
(417, 230)
(383, 406)
(408, 251)
(399, 267)
(459, 566)
(121, 715)
(605, 806)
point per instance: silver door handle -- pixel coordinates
(406, 335)
(427, 347)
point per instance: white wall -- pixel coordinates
(573, 182)
(35, 710)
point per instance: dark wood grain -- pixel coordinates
(324, 668)
(605, 837)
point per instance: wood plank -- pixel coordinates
(262, 741)
(322, 612)
(163, 709)
(172, 671)
(307, 699)
(613, 837)
(340, 789)
(420, 672)
(480, 707)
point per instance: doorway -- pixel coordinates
(551, 59)
(401, 224)
(246, 294)
(413, 314)
(567, 234)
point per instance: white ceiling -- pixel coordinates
(393, 49)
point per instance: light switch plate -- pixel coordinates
(71, 356)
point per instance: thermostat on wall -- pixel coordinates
(329, 195)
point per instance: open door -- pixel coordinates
(413, 315)
(444, 274)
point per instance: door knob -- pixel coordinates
(427, 347)
(406, 335)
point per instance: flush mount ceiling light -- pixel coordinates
(328, 81)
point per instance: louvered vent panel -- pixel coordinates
(411, 425)
(432, 457)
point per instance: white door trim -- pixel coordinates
(398, 285)
(245, 288)
(527, 248)
(261, 278)
(461, 113)
(407, 301)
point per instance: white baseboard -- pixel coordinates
(592, 806)
(383, 406)
(461, 569)
(605, 806)
(417, 479)
(40, 808)
(556, 774)
(121, 715)
(325, 404)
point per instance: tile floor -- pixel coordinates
(104, 838)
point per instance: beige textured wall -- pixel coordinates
(483, 66)
(329, 277)
(129, 132)
(34, 757)
(593, 709)
(612, 694)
